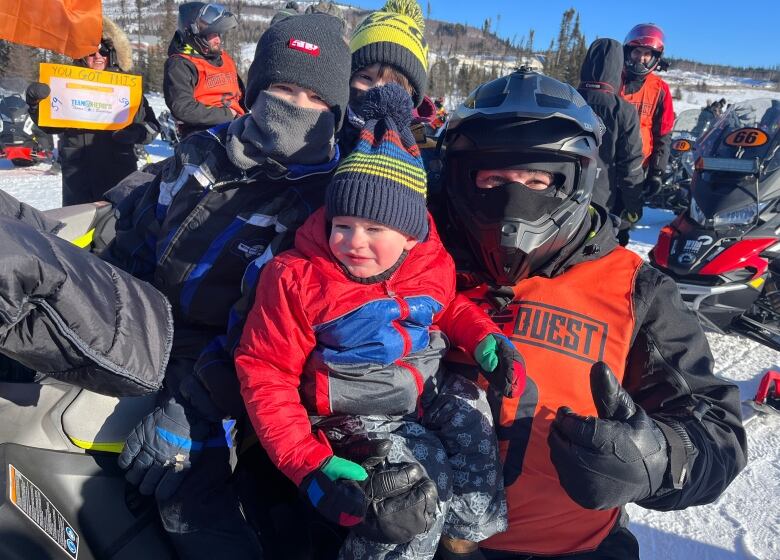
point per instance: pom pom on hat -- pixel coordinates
(408, 8)
(388, 102)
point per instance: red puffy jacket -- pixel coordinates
(319, 343)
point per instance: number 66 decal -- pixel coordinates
(747, 138)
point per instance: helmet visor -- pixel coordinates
(214, 18)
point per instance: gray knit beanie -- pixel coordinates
(307, 50)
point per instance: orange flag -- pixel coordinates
(71, 27)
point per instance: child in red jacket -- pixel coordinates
(347, 336)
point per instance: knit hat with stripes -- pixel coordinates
(383, 179)
(394, 36)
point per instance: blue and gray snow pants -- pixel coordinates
(456, 444)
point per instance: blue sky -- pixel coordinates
(737, 33)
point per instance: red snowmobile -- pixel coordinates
(21, 141)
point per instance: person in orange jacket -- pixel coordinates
(620, 402)
(200, 82)
(650, 94)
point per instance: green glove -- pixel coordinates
(502, 365)
(337, 468)
(486, 355)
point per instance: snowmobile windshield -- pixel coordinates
(692, 123)
(750, 129)
(13, 109)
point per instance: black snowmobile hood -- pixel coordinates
(603, 64)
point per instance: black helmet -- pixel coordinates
(522, 121)
(198, 20)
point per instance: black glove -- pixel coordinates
(161, 449)
(131, 134)
(501, 364)
(401, 499)
(36, 92)
(653, 184)
(359, 449)
(334, 490)
(609, 461)
(629, 218)
(402, 504)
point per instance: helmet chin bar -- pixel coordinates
(640, 69)
(509, 249)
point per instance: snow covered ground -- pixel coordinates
(745, 522)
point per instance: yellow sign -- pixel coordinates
(90, 99)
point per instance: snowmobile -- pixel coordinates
(21, 141)
(674, 192)
(62, 494)
(767, 398)
(723, 250)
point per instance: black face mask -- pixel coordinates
(515, 201)
(356, 98)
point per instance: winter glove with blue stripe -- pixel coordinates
(334, 491)
(502, 365)
(161, 449)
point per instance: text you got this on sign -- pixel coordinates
(88, 99)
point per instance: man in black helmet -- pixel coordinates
(620, 404)
(201, 83)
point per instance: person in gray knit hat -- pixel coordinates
(358, 346)
(298, 70)
(229, 199)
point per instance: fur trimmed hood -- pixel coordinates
(121, 44)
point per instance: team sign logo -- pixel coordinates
(303, 46)
(560, 330)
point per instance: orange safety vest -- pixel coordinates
(646, 100)
(217, 86)
(561, 326)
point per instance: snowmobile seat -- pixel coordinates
(101, 423)
(85, 224)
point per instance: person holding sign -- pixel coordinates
(95, 153)
(201, 83)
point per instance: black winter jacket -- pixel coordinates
(619, 184)
(669, 371)
(93, 161)
(202, 229)
(179, 80)
(66, 314)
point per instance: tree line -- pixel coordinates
(462, 56)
